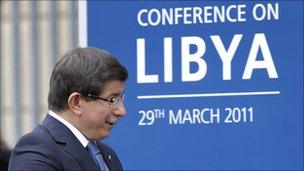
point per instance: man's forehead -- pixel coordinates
(113, 87)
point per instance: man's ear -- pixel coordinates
(75, 103)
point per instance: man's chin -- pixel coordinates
(104, 134)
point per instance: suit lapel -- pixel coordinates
(80, 154)
(107, 157)
(72, 146)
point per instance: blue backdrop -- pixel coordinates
(208, 122)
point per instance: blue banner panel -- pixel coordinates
(213, 85)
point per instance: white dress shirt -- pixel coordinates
(83, 140)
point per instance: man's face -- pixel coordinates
(99, 116)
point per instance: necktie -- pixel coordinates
(96, 155)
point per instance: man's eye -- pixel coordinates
(112, 99)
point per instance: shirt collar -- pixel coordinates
(83, 140)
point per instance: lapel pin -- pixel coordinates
(110, 157)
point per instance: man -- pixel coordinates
(5, 154)
(85, 102)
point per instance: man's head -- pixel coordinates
(88, 85)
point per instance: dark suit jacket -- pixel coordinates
(52, 146)
(5, 155)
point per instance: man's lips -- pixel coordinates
(111, 123)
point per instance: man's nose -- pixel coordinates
(120, 110)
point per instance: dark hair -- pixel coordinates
(83, 70)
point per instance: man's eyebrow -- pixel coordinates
(117, 94)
